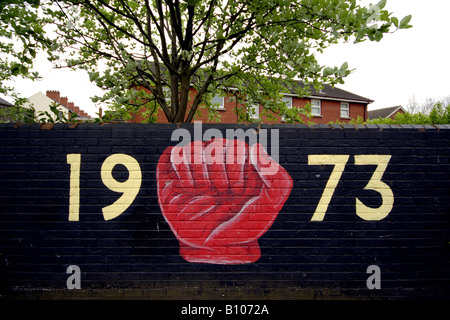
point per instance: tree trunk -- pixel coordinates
(184, 98)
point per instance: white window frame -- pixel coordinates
(345, 106)
(288, 100)
(167, 91)
(255, 112)
(218, 99)
(315, 107)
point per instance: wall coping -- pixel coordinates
(172, 126)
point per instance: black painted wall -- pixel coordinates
(137, 255)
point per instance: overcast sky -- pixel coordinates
(407, 63)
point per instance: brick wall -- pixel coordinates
(389, 207)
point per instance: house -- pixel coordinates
(327, 105)
(42, 102)
(386, 112)
(4, 105)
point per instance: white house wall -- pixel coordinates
(41, 102)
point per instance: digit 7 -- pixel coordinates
(339, 162)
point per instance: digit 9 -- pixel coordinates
(129, 188)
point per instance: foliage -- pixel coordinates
(20, 114)
(22, 35)
(438, 115)
(149, 53)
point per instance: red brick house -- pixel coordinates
(386, 113)
(327, 105)
(70, 106)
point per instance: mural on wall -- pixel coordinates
(219, 197)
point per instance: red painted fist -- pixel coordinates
(219, 197)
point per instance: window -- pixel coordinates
(345, 110)
(288, 102)
(167, 95)
(315, 107)
(254, 110)
(218, 102)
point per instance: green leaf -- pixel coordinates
(405, 21)
(94, 76)
(395, 21)
(328, 71)
(32, 52)
(15, 70)
(382, 4)
(343, 71)
(23, 70)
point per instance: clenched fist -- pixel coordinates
(219, 197)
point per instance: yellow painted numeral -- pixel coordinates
(375, 183)
(129, 188)
(339, 162)
(74, 159)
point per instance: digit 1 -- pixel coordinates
(74, 160)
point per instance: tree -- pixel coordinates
(439, 114)
(255, 48)
(22, 35)
(426, 106)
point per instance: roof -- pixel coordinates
(3, 102)
(330, 92)
(42, 102)
(384, 112)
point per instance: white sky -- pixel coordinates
(407, 63)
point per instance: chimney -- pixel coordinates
(53, 94)
(76, 110)
(70, 105)
(100, 112)
(64, 101)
